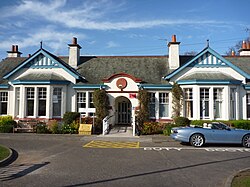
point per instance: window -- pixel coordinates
(217, 102)
(204, 103)
(4, 103)
(232, 103)
(57, 102)
(17, 101)
(152, 105)
(163, 104)
(81, 100)
(42, 92)
(188, 102)
(30, 96)
(91, 102)
(248, 105)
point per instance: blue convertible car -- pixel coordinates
(215, 132)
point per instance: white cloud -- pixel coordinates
(112, 44)
(90, 15)
(50, 37)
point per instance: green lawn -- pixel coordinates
(4, 152)
(242, 179)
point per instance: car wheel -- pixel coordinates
(197, 140)
(246, 141)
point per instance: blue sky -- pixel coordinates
(122, 27)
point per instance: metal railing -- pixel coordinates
(105, 125)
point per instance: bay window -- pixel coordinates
(152, 105)
(3, 103)
(188, 102)
(217, 102)
(30, 98)
(163, 104)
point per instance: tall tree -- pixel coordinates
(177, 95)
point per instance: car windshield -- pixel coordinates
(220, 126)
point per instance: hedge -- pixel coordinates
(239, 124)
(6, 124)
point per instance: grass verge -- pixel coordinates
(242, 179)
(4, 152)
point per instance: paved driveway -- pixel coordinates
(61, 160)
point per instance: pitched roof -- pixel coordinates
(7, 65)
(242, 62)
(150, 69)
(207, 76)
(42, 77)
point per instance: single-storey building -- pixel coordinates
(45, 86)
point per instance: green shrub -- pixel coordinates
(240, 124)
(70, 128)
(53, 127)
(168, 127)
(153, 128)
(42, 128)
(6, 124)
(69, 117)
(182, 121)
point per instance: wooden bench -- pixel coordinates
(25, 126)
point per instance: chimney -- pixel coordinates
(233, 53)
(173, 47)
(245, 49)
(74, 53)
(14, 52)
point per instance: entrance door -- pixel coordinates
(124, 113)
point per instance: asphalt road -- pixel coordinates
(61, 160)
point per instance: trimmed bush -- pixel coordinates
(182, 121)
(6, 124)
(42, 128)
(153, 128)
(239, 124)
(53, 127)
(168, 127)
(69, 117)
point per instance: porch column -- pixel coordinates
(237, 103)
(196, 102)
(211, 103)
(22, 106)
(35, 102)
(227, 101)
(49, 103)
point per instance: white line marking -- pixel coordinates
(192, 148)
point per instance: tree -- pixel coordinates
(177, 95)
(142, 115)
(101, 103)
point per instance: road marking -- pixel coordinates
(109, 144)
(192, 148)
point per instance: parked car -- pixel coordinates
(215, 132)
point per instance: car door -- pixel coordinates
(221, 136)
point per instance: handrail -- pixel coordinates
(105, 125)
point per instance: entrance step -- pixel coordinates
(120, 131)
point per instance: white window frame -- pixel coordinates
(4, 98)
(218, 97)
(164, 101)
(188, 97)
(152, 103)
(203, 100)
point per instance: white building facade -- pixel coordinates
(44, 86)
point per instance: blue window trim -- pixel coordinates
(155, 86)
(20, 82)
(90, 86)
(4, 86)
(41, 51)
(247, 87)
(209, 82)
(207, 49)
